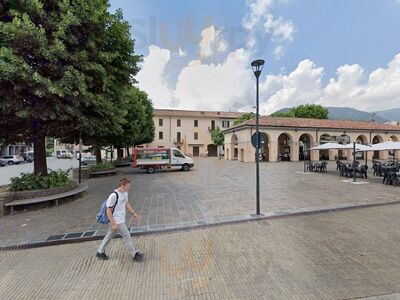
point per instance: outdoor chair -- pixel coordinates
(378, 169)
(392, 178)
(309, 166)
(323, 167)
(363, 171)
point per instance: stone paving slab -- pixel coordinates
(214, 191)
(351, 254)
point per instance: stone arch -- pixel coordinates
(344, 139)
(394, 138)
(361, 139)
(305, 143)
(265, 151)
(234, 147)
(323, 139)
(285, 147)
(376, 140)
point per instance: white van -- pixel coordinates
(150, 159)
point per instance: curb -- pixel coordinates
(187, 226)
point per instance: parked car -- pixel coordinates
(12, 159)
(65, 155)
(2, 162)
(88, 160)
(28, 156)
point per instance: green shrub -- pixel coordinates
(100, 167)
(30, 181)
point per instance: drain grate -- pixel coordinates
(73, 235)
(55, 237)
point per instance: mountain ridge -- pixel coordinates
(348, 113)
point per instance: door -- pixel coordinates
(212, 150)
(177, 159)
(196, 151)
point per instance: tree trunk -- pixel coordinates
(39, 155)
(120, 153)
(127, 151)
(98, 156)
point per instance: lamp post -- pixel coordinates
(257, 67)
(80, 156)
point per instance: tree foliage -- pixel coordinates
(244, 117)
(67, 67)
(310, 111)
(217, 137)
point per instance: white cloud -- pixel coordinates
(300, 86)
(212, 40)
(230, 85)
(182, 53)
(351, 87)
(380, 90)
(278, 52)
(257, 8)
(214, 86)
(260, 16)
(152, 78)
(279, 28)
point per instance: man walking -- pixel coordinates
(117, 204)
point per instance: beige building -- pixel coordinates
(188, 130)
(290, 139)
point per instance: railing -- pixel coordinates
(178, 141)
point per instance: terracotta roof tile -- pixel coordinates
(315, 123)
(193, 113)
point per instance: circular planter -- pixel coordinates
(9, 195)
(106, 172)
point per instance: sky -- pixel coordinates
(197, 53)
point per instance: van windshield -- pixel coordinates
(178, 153)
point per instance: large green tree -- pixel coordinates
(244, 117)
(217, 137)
(311, 111)
(138, 127)
(65, 67)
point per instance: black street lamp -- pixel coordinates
(257, 66)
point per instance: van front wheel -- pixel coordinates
(185, 167)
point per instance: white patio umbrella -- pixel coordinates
(359, 147)
(385, 146)
(328, 146)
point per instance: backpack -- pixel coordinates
(102, 214)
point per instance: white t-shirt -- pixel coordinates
(120, 208)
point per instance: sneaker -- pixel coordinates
(138, 256)
(102, 256)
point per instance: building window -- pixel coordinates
(178, 123)
(160, 122)
(225, 124)
(160, 135)
(212, 124)
(196, 136)
(196, 123)
(178, 137)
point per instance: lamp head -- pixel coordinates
(257, 66)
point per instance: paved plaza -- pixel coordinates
(352, 254)
(215, 190)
